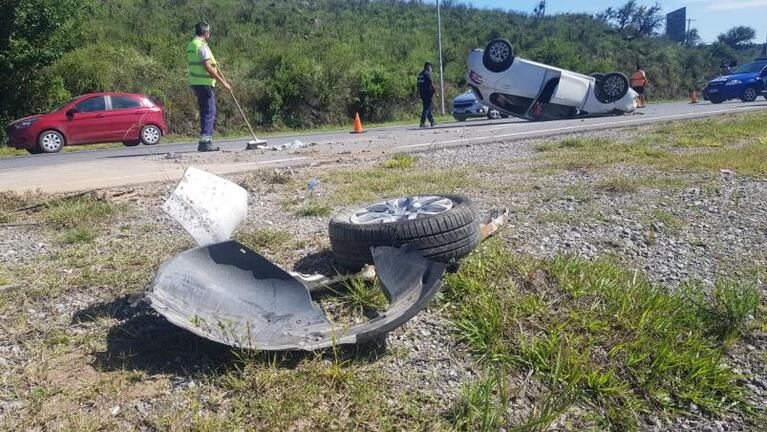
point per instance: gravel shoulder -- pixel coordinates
(78, 353)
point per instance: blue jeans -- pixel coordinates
(206, 101)
(426, 113)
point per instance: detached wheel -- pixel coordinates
(498, 55)
(50, 141)
(131, 143)
(443, 228)
(613, 87)
(749, 94)
(150, 135)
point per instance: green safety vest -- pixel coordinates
(198, 75)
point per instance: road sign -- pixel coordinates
(676, 25)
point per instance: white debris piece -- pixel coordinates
(210, 208)
(293, 145)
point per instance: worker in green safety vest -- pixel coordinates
(203, 75)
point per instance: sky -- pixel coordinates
(712, 17)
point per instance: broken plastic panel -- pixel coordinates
(228, 293)
(209, 207)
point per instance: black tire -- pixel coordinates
(613, 87)
(749, 94)
(716, 101)
(150, 134)
(498, 55)
(598, 76)
(131, 143)
(461, 119)
(51, 141)
(442, 237)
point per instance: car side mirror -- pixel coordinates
(71, 113)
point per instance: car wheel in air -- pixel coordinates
(150, 134)
(598, 76)
(443, 228)
(131, 143)
(749, 94)
(614, 86)
(498, 55)
(50, 141)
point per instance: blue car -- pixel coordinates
(745, 83)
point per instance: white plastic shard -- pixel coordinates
(209, 207)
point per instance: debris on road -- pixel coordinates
(209, 207)
(229, 294)
(292, 145)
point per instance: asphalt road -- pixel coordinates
(71, 171)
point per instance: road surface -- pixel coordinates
(92, 169)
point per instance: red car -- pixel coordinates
(93, 118)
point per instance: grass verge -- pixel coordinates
(601, 335)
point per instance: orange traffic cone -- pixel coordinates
(693, 97)
(357, 124)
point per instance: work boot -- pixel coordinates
(433, 124)
(206, 146)
(423, 125)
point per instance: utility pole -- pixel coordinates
(441, 74)
(689, 28)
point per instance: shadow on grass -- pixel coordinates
(144, 340)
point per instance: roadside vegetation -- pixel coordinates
(516, 340)
(731, 142)
(297, 64)
(597, 335)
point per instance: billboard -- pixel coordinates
(676, 25)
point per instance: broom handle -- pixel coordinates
(244, 117)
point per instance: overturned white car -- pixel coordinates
(535, 91)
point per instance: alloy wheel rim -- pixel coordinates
(151, 135)
(749, 94)
(401, 209)
(613, 86)
(498, 52)
(51, 142)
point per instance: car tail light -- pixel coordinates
(476, 78)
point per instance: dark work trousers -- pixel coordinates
(206, 101)
(426, 113)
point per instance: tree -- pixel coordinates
(738, 36)
(540, 10)
(33, 35)
(633, 20)
(692, 38)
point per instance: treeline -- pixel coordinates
(305, 63)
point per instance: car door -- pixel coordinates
(126, 114)
(87, 121)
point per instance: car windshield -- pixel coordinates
(60, 106)
(750, 68)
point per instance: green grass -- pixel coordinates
(619, 184)
(736, 142)
(355, 186)
(400, 161)
(69, 213)
(263, 238)
(363, 297)
(80, 234)
(606, 336)
(312, 208)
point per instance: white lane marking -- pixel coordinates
(591, 125)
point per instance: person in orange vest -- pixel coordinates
(638, 83)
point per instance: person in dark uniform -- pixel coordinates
(426, 90)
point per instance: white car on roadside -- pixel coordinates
(535, 91)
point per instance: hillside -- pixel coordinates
(309, 63)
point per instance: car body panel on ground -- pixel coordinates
(535, 91)
(745, 83)
(89, 119)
